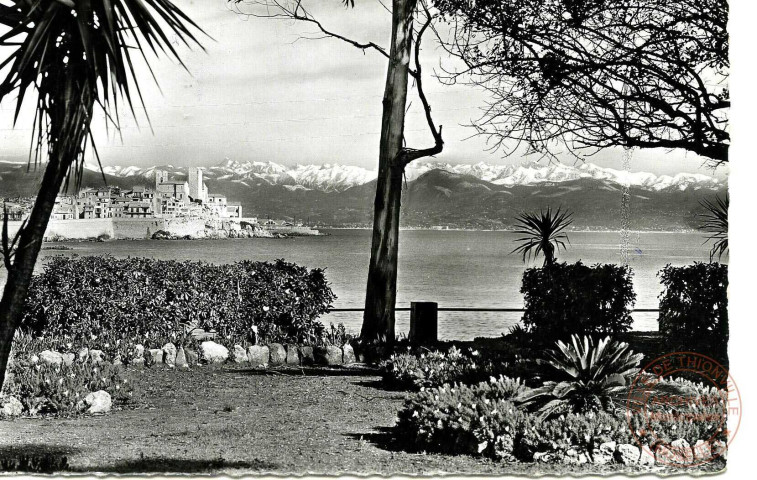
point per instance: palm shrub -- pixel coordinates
(70, 57)
(543, 233)
(715, 224)
(589, 376)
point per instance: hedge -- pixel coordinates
(141, 296)
(565, 299)
(694, 305)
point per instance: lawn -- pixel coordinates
(234, 421)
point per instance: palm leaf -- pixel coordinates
(542, 233)
(588, 371)
(75, 55)
(715, 222)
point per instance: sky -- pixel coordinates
(263, 91)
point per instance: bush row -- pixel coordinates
(84, 296)
(565, 299)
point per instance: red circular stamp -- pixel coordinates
(683, 409)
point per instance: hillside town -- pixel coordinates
(170, 198)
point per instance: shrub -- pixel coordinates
(433, 369)
(590, 375)
(694, 305)
(47, 389)
(459, 419)
(565, 299)
(583, 432)
(139, 297)
(484, 420)
(679, 408)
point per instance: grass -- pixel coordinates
(235, 421)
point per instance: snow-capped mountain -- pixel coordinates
(336, 177)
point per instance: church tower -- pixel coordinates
(196, 188)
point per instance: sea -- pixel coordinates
(452, 267)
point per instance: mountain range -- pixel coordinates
(337, 178)
(436, 194)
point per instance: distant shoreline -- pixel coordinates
(588, 230)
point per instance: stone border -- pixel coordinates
(627, 454)
(210, 352)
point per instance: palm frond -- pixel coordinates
(76, 55)
(590, 373)
(715, 222)
(543, 233)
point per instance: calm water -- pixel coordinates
(454, 268)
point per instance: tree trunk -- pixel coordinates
(29, 244)
(381, 291)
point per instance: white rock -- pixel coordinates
(96, 356)
(647, 457)
(348, 354)
(682, 449)
(49, 357)
(156, 354)
(627, 454)
(98, 402)
(544, 457)
(181, 358)
(719, 449)
(169, 354)
(139, 351)
(702, 451)
(68, 359)
(12, 407)
(257, 355)
(240, 356)
(213, 352)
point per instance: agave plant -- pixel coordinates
(592, 375)
(715, 223)
(543, 233)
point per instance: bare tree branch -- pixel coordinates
(409, 154)
(595, 74)
(295, 10)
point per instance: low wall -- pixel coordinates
(126, 228)
(136, 228)
(73, 229)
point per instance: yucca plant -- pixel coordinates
(715, 223)
(591, 376)
(75, 56)
(543, 233)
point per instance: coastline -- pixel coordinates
(577, 230)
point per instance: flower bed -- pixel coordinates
(34, 387)
(485, 419)
(56, 375)
(425, 369)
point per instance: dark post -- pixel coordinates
(424, 318)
